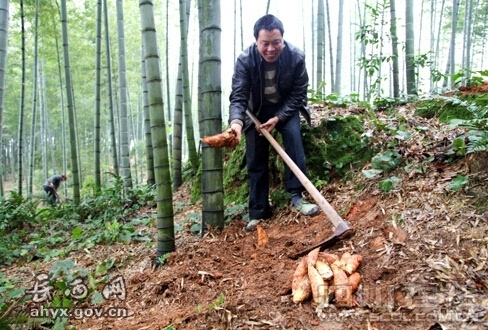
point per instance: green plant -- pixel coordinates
(233, 211)
(280, 198)
(17, 211)
(144, 195)
(113, 230)
(30, 230)
(458, 183)
(11, 297)
(162, 259)
(476, 78)
(236, 186)
(420, 168)
(383, 162)
(459, 146)
(194, 221)
(386, 103)
(386, 161)
(387, 184)
(179, 206)
(318, 97)
(217, 303)
(103, 267)
(397, 219)
(334, 147)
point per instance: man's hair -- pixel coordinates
(268, 22)
(64, 177)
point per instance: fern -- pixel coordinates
(21, 320)
(478, 141)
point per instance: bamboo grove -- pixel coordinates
(94, 87)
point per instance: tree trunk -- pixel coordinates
(212, 164)
(133, 138)
(200, 72)
(338, 80)
(468, 37)
(242, 29)
(71, 111)
(177, 145)
(124, 125)
(362, 24)
(165, 222)
(452, 52)
(312, 80)
(331, 54)
(20, 167)
(147, 126)
(190, 137)
(437, 48)
(431, 49)
(43, 115)
(4, 16)
(178, 130)
(168, 93)
(30, 179)
(394, 47)
(320, 45)
(98, 60)
(381, 5)
(49, 135)
(409, 49)
(483, 43)
(113, 138)
(421, 37)
(235, 31)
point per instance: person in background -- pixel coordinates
(51, 186)
(270, 79)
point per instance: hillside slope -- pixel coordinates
(424, 247)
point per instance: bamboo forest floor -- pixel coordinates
(428, 271)
(424, 248)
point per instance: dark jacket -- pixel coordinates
(55, 180)
(248, 80)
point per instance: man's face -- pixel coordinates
(270, 44)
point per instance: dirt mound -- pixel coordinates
(471, 90)
(481, 89)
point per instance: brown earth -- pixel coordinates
(424, 248)
(483, 88)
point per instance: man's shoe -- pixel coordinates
(251, 225)
(307, 208)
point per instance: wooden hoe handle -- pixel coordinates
(316, 195)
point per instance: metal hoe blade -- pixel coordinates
(341, 232)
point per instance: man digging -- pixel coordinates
(51, 187)
(270, 79)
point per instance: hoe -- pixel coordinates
(341, 229)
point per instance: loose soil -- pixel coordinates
(424, 248)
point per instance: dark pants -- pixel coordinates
(51, 194)
(257, 154)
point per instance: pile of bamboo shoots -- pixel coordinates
(326, 277)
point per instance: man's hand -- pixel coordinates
(238, 129)
(270, 124)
